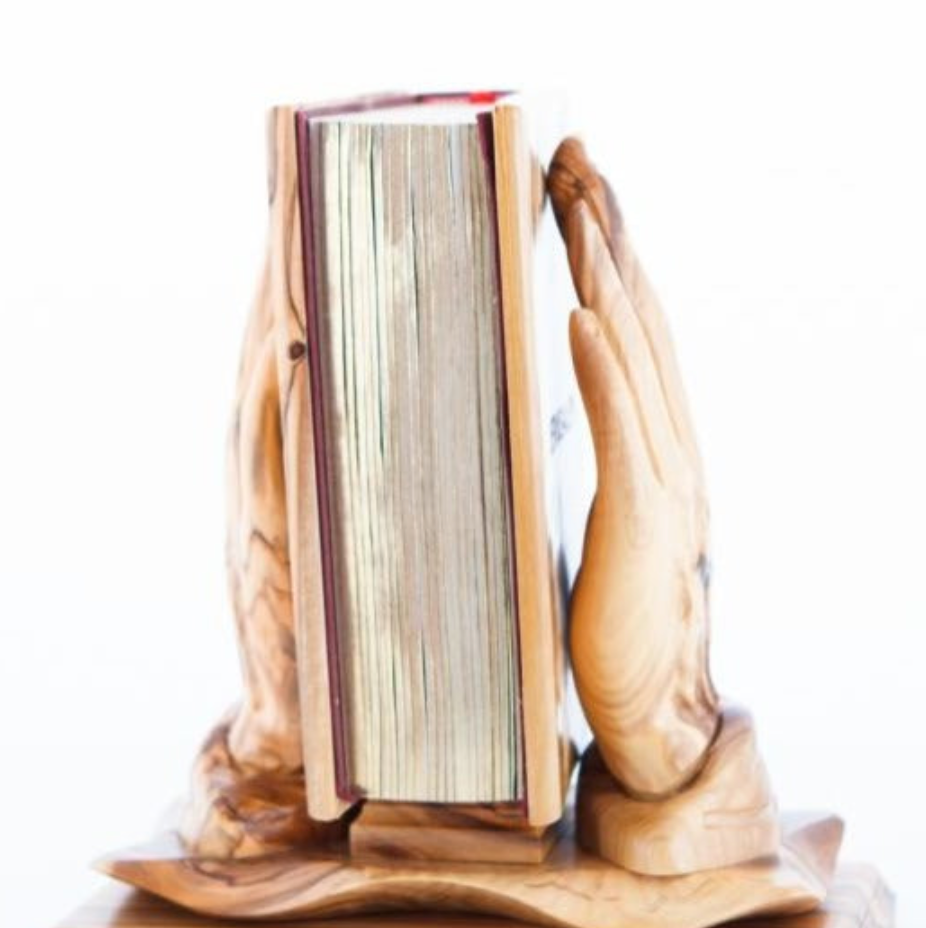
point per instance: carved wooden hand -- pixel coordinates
(248, 787)
(673, 783)
(639, 620)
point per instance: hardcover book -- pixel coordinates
(443, 414)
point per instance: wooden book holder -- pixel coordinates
(675, 823)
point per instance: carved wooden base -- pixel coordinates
(858, 898)
(483, 834)
(726, 814)
(570, 888)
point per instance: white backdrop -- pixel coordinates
(771, 164)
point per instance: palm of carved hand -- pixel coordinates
(639, 623)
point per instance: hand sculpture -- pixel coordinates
(673, 784)
(639, 617)
(248, 786)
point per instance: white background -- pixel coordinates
(772, 164)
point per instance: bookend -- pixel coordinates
(692, 838)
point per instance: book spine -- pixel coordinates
(342, 777)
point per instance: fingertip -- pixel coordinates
(570, 169)
(581, 316)
(583, 326)
(567, 177)
(571, 150)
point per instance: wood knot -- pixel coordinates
(296, 350)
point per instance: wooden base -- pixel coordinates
(726, 814)
(482, 834)
(858, 898)
(571, 888)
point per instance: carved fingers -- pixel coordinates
(610, 280)
(638, 635)
(620, 446)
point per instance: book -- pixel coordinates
(438, 430)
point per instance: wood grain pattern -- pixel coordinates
(858, 898)
(571, 888)
(248, 785)
(725, 815)
(275, 752)
(239, 809)
(287, 288)
(639, 612)
(538, 624)
(477, 833)
(278, 745)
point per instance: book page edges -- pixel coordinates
(548, 760)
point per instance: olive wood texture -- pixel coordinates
(639, 614)
(274, 754)
(248, 792)
(248, 785)
(638, 640)
(570, 888)
(858, 898)
(424, 831)
(727, 813)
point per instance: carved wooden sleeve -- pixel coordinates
(248, 787)
(674, 812)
